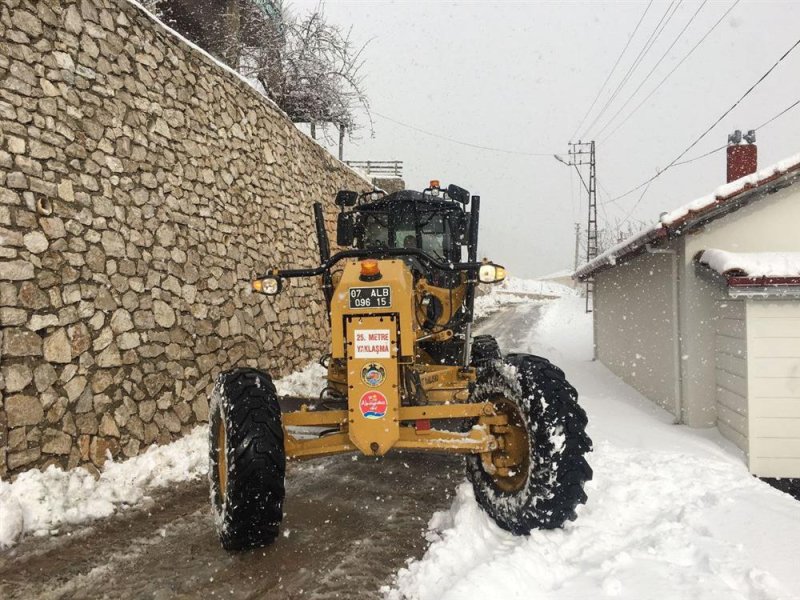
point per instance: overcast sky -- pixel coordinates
(520, 76)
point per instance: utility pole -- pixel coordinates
(577, 245)
(580, 154)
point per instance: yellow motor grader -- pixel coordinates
(404, 373)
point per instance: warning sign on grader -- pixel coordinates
(372, 343)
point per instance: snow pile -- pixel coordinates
(672, 511)
(752, 264)
(40, 502)
(308, 381)
(517, 291)
(644, 534)
(534, 287)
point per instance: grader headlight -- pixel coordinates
(491, 273)
(270, 286)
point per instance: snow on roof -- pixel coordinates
(752, 264)
(670, 224)
(732, 188)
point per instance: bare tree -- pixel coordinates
(309, 67)
(306, 65)
(614, 233)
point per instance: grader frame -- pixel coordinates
(445, 388)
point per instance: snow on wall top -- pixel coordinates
(752, 264)
(671, 223)
(248, 83)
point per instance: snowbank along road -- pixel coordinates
(672, 513)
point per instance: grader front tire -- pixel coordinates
(247, 459)
(545, 442)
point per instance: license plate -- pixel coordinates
(371, 297)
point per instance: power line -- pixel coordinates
(780, 114)
(611, 72)
(460, 142)
(715, 150)
(709, 153)
(654, 35)
(653, 69)
(708, 130)
(675, 68)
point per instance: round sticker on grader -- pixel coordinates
(373, 405)
(373, 374)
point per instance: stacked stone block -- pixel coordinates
(141, 186)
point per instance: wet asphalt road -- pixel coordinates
(348, 526)
(350, 523)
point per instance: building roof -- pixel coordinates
(768, 271)
(751, 264)
(724, 200)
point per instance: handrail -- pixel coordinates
(372, 253)
(378, 167)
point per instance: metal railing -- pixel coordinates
(379, 168)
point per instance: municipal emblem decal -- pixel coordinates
(373, 374)
(373, 405)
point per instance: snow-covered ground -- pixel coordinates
(42, 502)
(672, 512)
(516, 291)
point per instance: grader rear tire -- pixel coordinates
(247, 459)
(545, 442)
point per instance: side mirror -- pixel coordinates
(458, 194)
(491, 273)
(345, 229)
(346, 198)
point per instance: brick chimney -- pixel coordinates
(742, 158)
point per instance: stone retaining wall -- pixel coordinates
(141, 185)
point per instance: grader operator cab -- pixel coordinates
(404, 373)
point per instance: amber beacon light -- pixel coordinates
(370, 270)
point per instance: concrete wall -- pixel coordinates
(633, 307)
(730, 360)
(773, 340)
(141, 185)
(768, 225)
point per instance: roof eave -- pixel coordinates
(633, 249)
(774, 290)
(721, 206)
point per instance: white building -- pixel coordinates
(701, 314)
